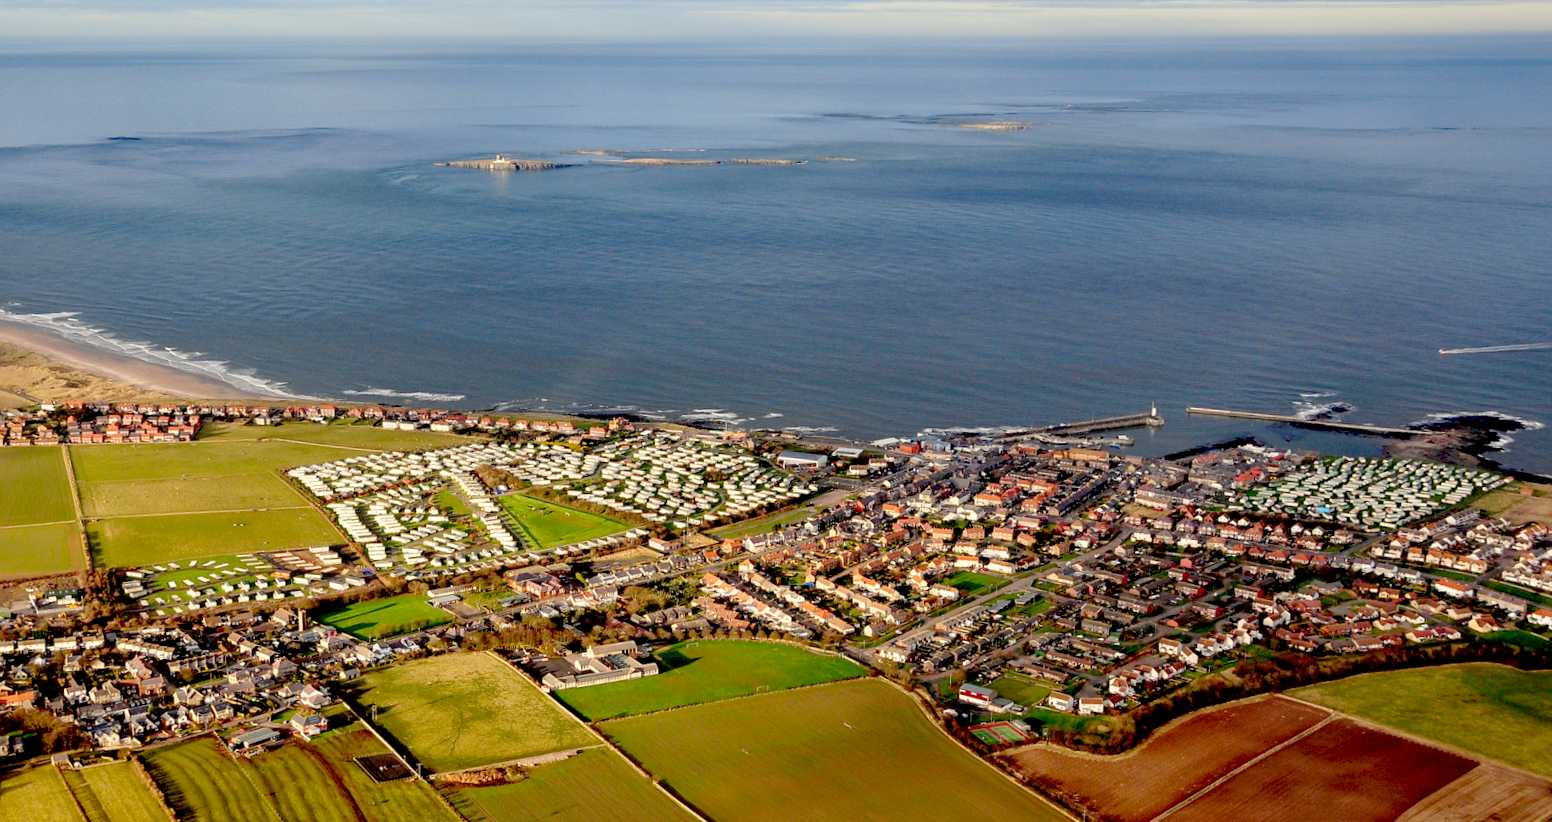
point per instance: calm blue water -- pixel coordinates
(1234, 225)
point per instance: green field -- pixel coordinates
(706, 671)
(1492, 710)
(184, 460)
(460, 711)
(761, 525)
(114, 498)
(34, 550)
(390, 616)
(36, 487)
(972, 584)
(202, 783)
(37, 794)
(1024, 690)
(114, 793)
(548, 524)
(298, 784)
(403, 800)
(315, 780)
(851, 750)
(340, 433)
(595, 784)
(127, 542)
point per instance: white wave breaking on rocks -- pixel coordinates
(427, 396)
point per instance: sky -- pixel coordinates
(646, 20)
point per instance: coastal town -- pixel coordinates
(252, 577)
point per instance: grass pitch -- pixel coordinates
(1493, 710)
(549, 524)
(37, 793)
(35, 489)
(136, 541)
(972, 584)
(460, 711)
(379, 618)
(35, 550)
(710, 670)
(113, 498)
(851, 750)
(595, 784)
(114, 793)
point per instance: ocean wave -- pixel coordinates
(428, 396)
(811, 429)
(773, 415)
(1313, 411)
(1316, 395)
(70, 326)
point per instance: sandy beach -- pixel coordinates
(37, 366)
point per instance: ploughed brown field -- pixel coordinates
(1488, 792)
(1174, 763)
(1343, 770)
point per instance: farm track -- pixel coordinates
(80, 520)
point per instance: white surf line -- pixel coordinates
(1496, 349)
(1231, 774)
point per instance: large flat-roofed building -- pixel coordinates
(614, 662)
(802, 460)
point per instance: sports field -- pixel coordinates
(459, 711)
(708, 670)
(971, 583)
(34, 550)
(37, 793)
(113, 498)
(298, 784)
(1025, 690)
(850, 750)
(136, 541)
(201, 783)
(390, 616)
(36, 489)
(114, 793)
(595, 784)
(548, 524)
(1493, 710)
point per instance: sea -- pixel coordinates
(1280, 226)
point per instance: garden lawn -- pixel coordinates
(135, 541)
(709, 670)
(549, 524)
(115, 793)
(34, 487)
(35, 550)
(463, 710)
(390, 616)
(1499, 712)
(845, 751)
(595, 784)
(37, 793)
